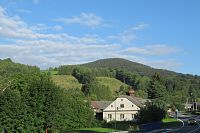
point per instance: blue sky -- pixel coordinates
(159, 33)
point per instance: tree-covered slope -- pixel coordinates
(127, 65)
(171, 87)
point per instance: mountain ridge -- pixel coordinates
(120, 63)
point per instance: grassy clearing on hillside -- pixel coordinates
(66, 81)
(170, 122)
(113, 83)
(97, 129)
(51, 72)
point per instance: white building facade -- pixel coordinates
(123, 108)
(120, 110)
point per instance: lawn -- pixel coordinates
(112, 83)
(51, 72)
(98, 130)
(66, 81)
(170, 122)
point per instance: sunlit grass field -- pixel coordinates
(112, 83)
(69, 82)
(66, 81)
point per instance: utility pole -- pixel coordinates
(187, 104)
(115, 114)
(124, 84)
(195, 104)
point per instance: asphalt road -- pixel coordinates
(185, 128)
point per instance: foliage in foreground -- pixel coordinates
(31, 102)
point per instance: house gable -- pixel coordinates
(124, 108)
(122, 104)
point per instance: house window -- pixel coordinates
(121, 105)
(133, 116)
(132, 105)
(121, 116)
(111, 106)
(121, 99)
(110, 116)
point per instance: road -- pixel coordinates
(185, 128)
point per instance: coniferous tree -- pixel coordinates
(155, 89)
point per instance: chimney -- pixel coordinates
(131, 92)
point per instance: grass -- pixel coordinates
(69, 82)
(195, 113)
(123, 125)
(66, 81)
(170, 122)
(110, 127)
(51, 72)
(98, 130)
(112, 83)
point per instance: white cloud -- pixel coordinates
(129, 35)
(39, 27)
(160, 49)
(140, 26)
(163, 64)
(26, 44)
(57, 27)
(43, 27)
(55, 53)
(2, 11)
(125, 37)
(87, 19)
(14, 27)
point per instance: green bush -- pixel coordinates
(152, 112)
(122, 125)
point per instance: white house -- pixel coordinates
(123, 108)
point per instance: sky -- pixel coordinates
(162, 34)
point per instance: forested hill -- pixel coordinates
(129, 66)
(171, 87)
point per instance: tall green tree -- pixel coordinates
(152, 112)
(156, 89)
(83, 75)
(97, 91)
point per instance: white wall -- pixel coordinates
(115, 109)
